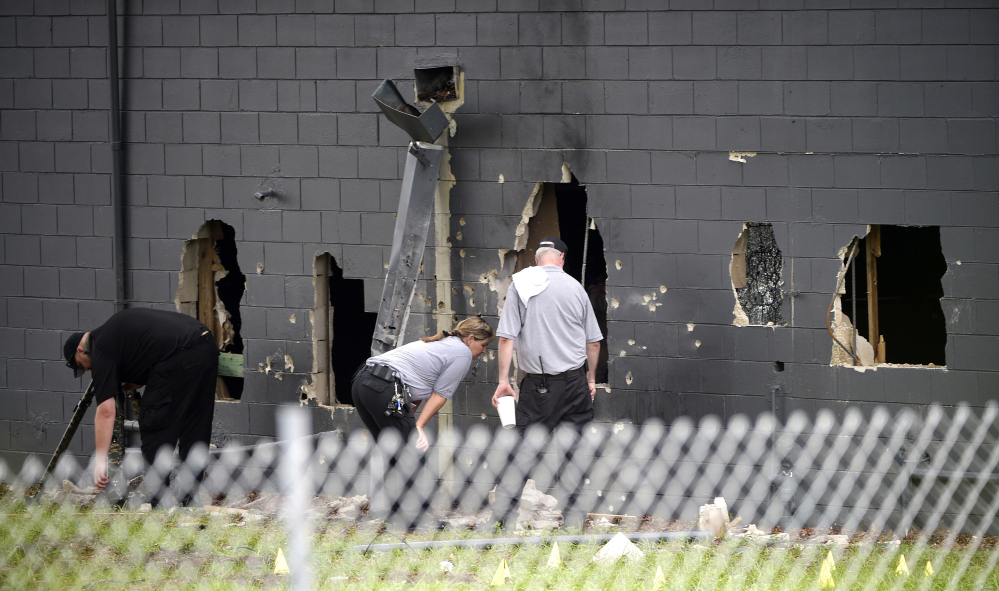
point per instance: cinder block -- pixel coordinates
(540, 97)
(671, 98)
(296, 30)
(199, 62)
(806, 98)
(522, 131)
(832, 63)
(984, 99)
(338, 162)
(91, 189)
(739, 133)
(237, 62)
(66, 94)
(835, 205)
(950, 172)
(851, 27)
(629, 167)
(542, 165)
(164, 127)
(578, 28)
(283, 258)
(19, 63)
(899, 99)
(73, 220)
(759, 28)
(740, 63)
(221, 160)
(301, 226)
(743, 204)
(650, 133)
(318, 63)
(784, 63)
(36, 157)
(59, 251)
(716, 98)
(881, 207)
(948, 99)
(858, 99)
(925, 62)
(698, 202)
(70, 157)
(299, 160)
(357, 130)
(161, 62)
(257, 30)
(93, 252)
(265, 290)
(258, 95)
(377, 228)
(276, 62)
(202, 128)
(165, 191)
(52, 63)
(459, 29)
(828, 135)
(946, 27)
(903, 172)
(218, 31)
(183, 159)
(806, 28)
(41, 282)
(653, 201)
(811, 170)
(356, 63)
(67, 32)
(18, 125)
(184, 222)
(969, 136)
(623, 28)
(856, 171)
(694, 133)
(766, 170)
(714, 168)
(673, 168)
(604, 63)
(694, 63)
(278, 128)
(33, 94)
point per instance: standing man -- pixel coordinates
(549, 319)
(173, 355)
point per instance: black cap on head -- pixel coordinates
(554, 242)
(69, 351)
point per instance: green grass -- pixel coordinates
(61, 547)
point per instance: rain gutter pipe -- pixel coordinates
(117, 194)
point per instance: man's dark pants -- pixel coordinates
(179, 400)
(567, 403)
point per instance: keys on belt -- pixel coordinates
(400, 392)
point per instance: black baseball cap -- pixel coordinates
(69, 351)
(554, 242)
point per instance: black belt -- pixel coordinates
(569, 373)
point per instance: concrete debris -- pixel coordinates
(713, 517)
(618, 547)
(834, 540)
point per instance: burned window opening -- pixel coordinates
(437, 83)
(211, 287)
(894, 286)
(562, 213)
(341, 330)
(756, 276)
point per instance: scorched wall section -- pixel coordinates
(855, 117)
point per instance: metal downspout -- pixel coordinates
(117, 192)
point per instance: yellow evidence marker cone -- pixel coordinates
(829, 560)
(902, 568)
(280, 564)
(659, 583)
(826, 580)
(502, 574)
(929, 569)
(554, 559)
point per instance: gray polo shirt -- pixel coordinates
(429, 367)
(555, 325)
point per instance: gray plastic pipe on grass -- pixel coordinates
(484, 543)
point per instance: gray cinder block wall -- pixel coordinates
(858, 114)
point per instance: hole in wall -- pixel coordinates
(756, 276)
(893, 290)
(341, 331)
(438, 83)
(562, 213)
(778, 366)
(210, 289)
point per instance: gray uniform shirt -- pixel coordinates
(555, 325)
(429, 367)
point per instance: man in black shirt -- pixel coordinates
(173, 355)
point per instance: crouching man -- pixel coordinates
(173, 355)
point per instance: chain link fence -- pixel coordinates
(857, 501)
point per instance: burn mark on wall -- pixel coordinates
(756, 276)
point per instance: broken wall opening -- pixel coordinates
(562, 213)
(341, 331)
(756, 276)
(210, 289)
(893, 290)
(438, 83)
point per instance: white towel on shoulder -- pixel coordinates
(530, 282)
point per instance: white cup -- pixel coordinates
(507, 411)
